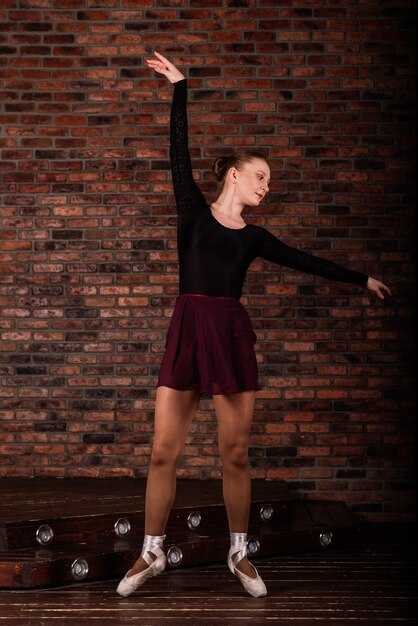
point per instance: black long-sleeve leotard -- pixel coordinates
(213, 258)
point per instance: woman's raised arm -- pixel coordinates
(189, 197)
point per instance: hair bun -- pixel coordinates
(218, 168)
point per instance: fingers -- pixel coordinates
(378, 288)
(154, 63)
(157, 68)
(163, 63)
(160, 56)
(165, 67)
(382, 288)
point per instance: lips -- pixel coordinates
(259, 195)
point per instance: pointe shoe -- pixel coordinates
(129, 584)
(254, 586)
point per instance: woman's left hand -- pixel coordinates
(377, 287)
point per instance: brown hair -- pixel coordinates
(221, 165)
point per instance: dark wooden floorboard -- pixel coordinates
(25, 499)
(373, 585)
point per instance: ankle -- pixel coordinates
(152, 547)
(239, 543)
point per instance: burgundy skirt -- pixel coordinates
(210, 347)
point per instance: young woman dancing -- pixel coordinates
(210, 341)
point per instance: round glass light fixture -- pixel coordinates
(325, 538)
(266, 512)
(193, 520)
(122, 527)
(79, 569)
(44, 534)
(174, 556)
(253, 546)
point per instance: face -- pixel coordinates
(253, 181)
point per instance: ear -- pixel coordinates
(232, 174)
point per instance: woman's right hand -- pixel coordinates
(163, 66)
(377, 287)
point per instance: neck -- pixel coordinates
(227, 204)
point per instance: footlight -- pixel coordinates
(193, 520)
(79, 569)
(266, 512)
(122, 527)
(253, 546)
(44, 535)
(325, 538)
(174, 556)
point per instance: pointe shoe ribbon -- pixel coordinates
(254, 586)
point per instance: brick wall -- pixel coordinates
(88, 253)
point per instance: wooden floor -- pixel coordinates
(371, 582)
(373, 585)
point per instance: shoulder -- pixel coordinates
(258, 233)
(255, 236)
(256, 230)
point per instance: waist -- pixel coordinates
(203, 295)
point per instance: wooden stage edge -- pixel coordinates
(72, 531)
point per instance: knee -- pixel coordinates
(163, 455)
(235, 456)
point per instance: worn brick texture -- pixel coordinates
(88, 250)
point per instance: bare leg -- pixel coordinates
(174, 412)
(235, 413)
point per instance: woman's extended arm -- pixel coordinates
(187, 193)
(276, 251)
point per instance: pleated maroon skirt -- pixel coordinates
(210, 347)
